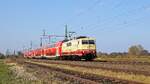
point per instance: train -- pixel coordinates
(78, 48)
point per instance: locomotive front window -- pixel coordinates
(85, 42)
(91, 42)
(88, 42)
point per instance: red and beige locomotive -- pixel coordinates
(76, 48)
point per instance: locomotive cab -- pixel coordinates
(88, 48)
(80, 47)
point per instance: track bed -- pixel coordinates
(90, 72)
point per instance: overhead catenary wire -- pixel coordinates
(117, 16)
(136, 11)
(120, 26)
(91, 25)
(113, 7)
(75, 16)
(97, 2)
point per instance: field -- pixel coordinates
(12, 72)
(132, 70)
(120, 71)
(5, 75)
(8, 77)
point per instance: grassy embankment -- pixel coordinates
(7, 76)
(14, 73)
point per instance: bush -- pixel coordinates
(2, 57)
(137, 50)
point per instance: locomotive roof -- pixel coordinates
(75, 38)
(79, 37)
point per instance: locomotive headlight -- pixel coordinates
(83, 52)
(93, 51)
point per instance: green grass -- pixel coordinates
(4, 73)
(7, 77)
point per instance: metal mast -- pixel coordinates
(66, 33)
(31, 44)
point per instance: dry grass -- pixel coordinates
(45, 75)
(8, 77)
(23, 74)
(120, 75)
(20, 72)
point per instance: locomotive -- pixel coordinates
(76, 48)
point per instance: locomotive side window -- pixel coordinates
(69, 44)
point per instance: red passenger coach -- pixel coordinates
(29, 54)
(50, 51)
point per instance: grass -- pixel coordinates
(7, 77)
(12, 73)
(4, 73)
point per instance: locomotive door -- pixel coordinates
(89, 46)
(57, 51)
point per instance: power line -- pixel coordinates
(91, 7)
(121, 26)
(83, 12)
(111, 20)
(114, 7)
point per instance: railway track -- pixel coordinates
(82, 78)
(105, 66)
(63, 74)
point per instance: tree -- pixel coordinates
(102, 54)
(118, 54)
(19, 53)
(2, 56)
(137, 50)
(145, 52)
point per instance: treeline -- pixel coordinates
(18, 54)
(2, 56)
(135, 50)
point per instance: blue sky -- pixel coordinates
(116, 24)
